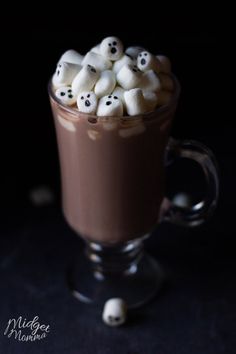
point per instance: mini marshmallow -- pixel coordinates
(110, 106)
(114, 312)
(134, 51)
(147, 61)
(71, 56)
(65, 95)
(111, 48)
(165, 64)
(129, 76)
(96, 60)
(166, 82)
(87, 102)
(85, 79)
(150, 99)
(125, 59)
(119, 92)
(135, 102)
(96, 49)
(150, 81)
(105, 84)
(163, 97)
(65, 73)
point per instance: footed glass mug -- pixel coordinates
(113, 195)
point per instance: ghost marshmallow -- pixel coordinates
(147, 61)
(129, 76)
(119, 92)
(105, 84)
(65, 95)
(71, 56)
(111, 48)
(87, 102)
(98, 61)
(65, 73)
(110, 105)
(114, 312)
(85, 79)
(135, 102)
(150, 81)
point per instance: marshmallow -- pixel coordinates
(135, 102)
(96, 49)
(105, 84)
(65, 95)
(150, 99)
(125, 59)
(96, 60)
(134, 51)
(87, 102)
(119, 92)
(111, 48)
(166, 82)
(147, 61)
(165, 64)
(110, 106)
(85, 79)
(65, 73)
(114, 312)
(71, 56)
(129, 76)
(163, 97)
(150, 81)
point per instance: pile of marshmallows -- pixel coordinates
(110, 82)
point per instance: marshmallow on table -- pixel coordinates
(129, 76)
(111, 48)
(166, 82)
(134, 51)
(147, 61)
(96, 60)
(150, 99)
(119, 92)
(105, 84)
(165, 64)
(163, 97)
(66, 95)
(110, 105)
(65, 73)
(71, 56)
(135, 102)
(85, 79)
(87, 102)
(125, 59)
(150, 81)
(114, 312)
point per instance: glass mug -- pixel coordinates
(113, 195)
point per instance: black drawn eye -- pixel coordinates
(62, 93)
(59, 65)
(140, 54)
(145, 54)
(88, 95)
(117, 319)
(115, 97)
(110, 96)
(58, 72)
(69, 90)
(114, 43)
(82, 97)
(109, 44)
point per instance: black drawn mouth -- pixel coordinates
(87, 103)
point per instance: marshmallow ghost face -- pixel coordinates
(65, 73)
(111, 48)
(87, 102)
(114, 312)
(147, 61)
(65, 95)
(110, 105)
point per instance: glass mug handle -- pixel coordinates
(196, 214)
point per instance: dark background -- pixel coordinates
(196, 312)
